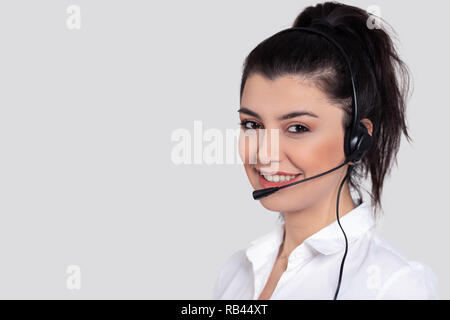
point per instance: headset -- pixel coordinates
(357, 140)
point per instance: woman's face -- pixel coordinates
(307, 144)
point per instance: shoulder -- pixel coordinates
(415, 280)
(400, 278)
(227, 271)
(234, 262)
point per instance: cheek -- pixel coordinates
(248, 146)
(320, 153)
(330, 151)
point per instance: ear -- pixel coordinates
(368, 125)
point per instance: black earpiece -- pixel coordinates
(357, 142)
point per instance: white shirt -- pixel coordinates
(372, 268)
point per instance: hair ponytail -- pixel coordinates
(382, 78)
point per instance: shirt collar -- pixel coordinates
(327, 240)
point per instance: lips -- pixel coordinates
(278, 172)
(270, 184)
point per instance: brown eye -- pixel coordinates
(249, 125)
(298, 128)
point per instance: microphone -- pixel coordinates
(258, 194)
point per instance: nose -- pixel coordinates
(268, 147)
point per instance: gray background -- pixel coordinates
(86, 118)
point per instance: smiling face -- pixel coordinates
(308, 144)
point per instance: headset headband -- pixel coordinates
(344, 55)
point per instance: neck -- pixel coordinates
(302, 224)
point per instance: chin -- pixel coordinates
(282, 203)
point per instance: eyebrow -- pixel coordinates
(283, 117)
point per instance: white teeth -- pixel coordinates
(277, 178)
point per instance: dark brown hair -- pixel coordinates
(382, 91)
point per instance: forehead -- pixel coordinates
(283, 94)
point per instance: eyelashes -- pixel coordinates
(244, 123)
(299, 128)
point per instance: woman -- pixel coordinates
(297, 85)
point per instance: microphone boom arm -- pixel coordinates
(258, 194)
